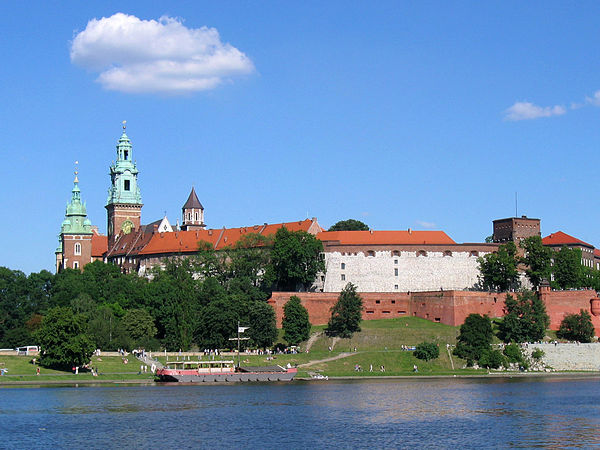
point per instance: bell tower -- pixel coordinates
(192, 213)
(124, 204)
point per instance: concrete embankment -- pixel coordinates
(570, 356)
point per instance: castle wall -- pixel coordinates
(447, 307)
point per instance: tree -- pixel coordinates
(537, 260)
(346, 314)
(491, 359)
(349, 225)
(263, 327)
(217, 323)
(499, 269)
(62, 340)
(475, 337)
(577, 327)
(295, 259)
(427, 351)
(139, 326)
(525, 318)
(296, 326)
(567, 268)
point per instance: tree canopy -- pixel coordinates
(567, 268)
(577, 327)
(525, 318)
(346, 314)
(349, 225)
(537, 260)
(499, 270)
(475, 337)
(296, 325)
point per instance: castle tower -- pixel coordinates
(192, 213)
(75, 239)
(124, 204)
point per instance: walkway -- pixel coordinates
(333, 358)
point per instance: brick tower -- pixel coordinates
(75, 239)
(124, 204)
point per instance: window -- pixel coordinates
(378, 301)
(126, 185)
(370, 253)
(393, 302)
(396, 271)
(396, 253)
(396, 287)
(447, 253)
(474, 253)
(343, 277)
(421, 253)
(395, 261)
(196, 216)
(77, 249)
(343, 266)
(75, 264)
(401, 312)
(126, 154)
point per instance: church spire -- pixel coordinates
(192, 213)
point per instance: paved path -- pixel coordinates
(312, 339)
(149, 361)
(333, 358)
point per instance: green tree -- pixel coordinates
(513, 353)
(217, 323)
(525, 318)
(296, 324)
(567, 268)
(499, 269)
(537, 260)
(346, 314)
(62, 340)
(263, 327)
(475, 336)
(139, 326)
(577, 327)
(295, 259)
(491, 359)
(349, 225)
(427, 351)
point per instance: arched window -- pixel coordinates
(421, 253)
(75, 264)
(447, 253)
(196, 216)
(474, 253)
(370, 253)
(77, 249)
(395, 253)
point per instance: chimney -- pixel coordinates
(409, 231)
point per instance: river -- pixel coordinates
(424, 413)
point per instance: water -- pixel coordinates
(444, 413)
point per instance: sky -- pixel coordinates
(422, 115)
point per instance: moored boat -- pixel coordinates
(222, 371)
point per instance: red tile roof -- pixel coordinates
(99, 244)
(187, 241)
(404, 237)
(560, 238)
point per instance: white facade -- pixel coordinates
(402, 271)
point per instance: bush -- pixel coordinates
(427, 351)
(513, 353)
(577, 327)
(538, 354)
(491, 359)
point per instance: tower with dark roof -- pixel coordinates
(192, 213)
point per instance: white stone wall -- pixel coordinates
(415, 273)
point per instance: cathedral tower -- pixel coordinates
(75, 239)
(124, 204)
(193, 213)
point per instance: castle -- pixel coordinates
(398, 272)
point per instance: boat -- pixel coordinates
(221, 371)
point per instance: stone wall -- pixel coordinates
(569, 356)
(402, 271)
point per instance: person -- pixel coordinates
(370, 367)
(415, 368)
(37, 371)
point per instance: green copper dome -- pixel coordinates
(123, 175)
(76, 221)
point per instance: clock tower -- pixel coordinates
(124, 204)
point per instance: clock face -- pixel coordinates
(127, 226)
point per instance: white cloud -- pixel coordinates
(135, 56)
(527, 111)
(426, 224)
(594, 100)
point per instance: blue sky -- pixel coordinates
(429, 115)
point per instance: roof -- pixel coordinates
(188, 241)
(560, 238)
(192, 201)
(401, 237)
(99, 244)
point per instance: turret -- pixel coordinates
(192, 213)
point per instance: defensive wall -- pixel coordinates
(447, 307)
